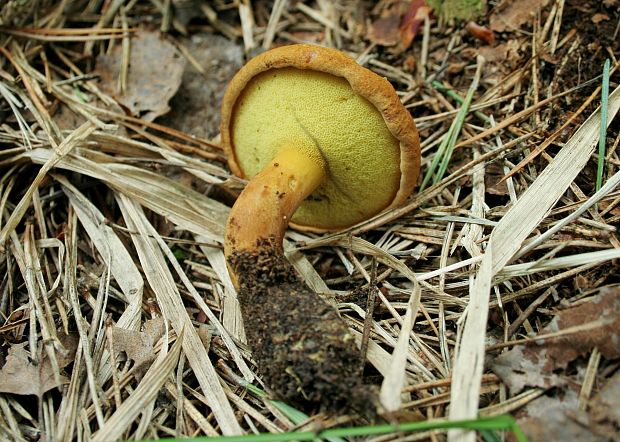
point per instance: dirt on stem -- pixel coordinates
(304, 350)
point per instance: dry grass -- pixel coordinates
(117, 221)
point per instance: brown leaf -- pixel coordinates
(523, 366)
(599, 17)
(413, 19)
(68, 120)
(154, 76)
(399, 24)
(493, 180)
(605, 406)
(384, 30)
(511, 15)
(138, 345)
(186, 10)
(196, 106)
(507, 53)
(480, 32)
(534, 365)
(615, 210)
(20, 375)
(559, 417)
(605, 306)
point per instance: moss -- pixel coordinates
(458, 9)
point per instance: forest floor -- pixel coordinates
(494, 290)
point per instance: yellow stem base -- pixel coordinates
(264, 208)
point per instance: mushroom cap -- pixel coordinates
(321, 101)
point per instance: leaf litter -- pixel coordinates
(195, 107)
(123, 225)
(27, 374)
(535, 364)
(144, 78)
(138, 346)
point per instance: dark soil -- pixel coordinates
(303, 349)
(597, 39)
(586, 59)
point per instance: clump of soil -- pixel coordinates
(304, 350)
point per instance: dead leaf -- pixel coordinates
(599, 17)
(413, 19)
(154, 75)
(604, 205)
(535, 365)
(558, 418)
(493, 180)
(186, 10)
(524, 367)
(138, 345)
(384, 30)
(511, 15)
(606, 307)
(507, 53)
(549, 58)
(196, 106)
(605, 406)
(20, 375)
(480, 32)
(399, 24)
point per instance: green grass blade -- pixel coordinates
(456, 97)
(444, 152)
(504, 422)
(603, 133)
(296, 416)
(458, 122)
(438, 155)
(490, 436)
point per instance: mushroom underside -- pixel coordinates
(320, 115)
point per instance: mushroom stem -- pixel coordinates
(264, 208)
(303, 348)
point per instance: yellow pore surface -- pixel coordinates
(320, 114)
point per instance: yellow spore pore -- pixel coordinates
(321, 115)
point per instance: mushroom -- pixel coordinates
(325, 144)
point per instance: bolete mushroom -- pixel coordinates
(325, 144)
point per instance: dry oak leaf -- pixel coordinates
(511, 15)
(20, 375)
(138, 345)
(534, 364)
(154, 75)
